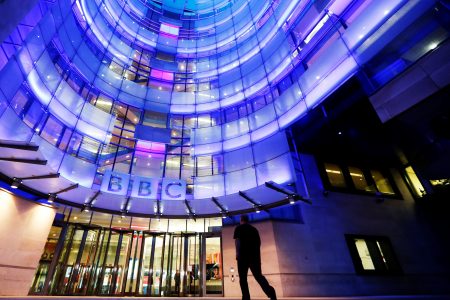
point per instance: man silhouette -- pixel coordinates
(177, 279)
(248, 255)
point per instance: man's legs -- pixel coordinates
(243, 271)
(255, 267)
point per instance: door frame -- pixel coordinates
(205, 236)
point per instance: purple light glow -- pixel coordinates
(147, 146)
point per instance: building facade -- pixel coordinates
(144, 128)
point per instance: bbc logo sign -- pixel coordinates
(143, 187)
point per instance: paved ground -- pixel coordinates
(404, 297)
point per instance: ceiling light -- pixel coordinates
(16, 182)
(51, 198)
(291, 199)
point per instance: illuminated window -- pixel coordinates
(414, 182)
(382, 183)
(169, 29)
(359, 180)
(372, 255)
(335, 175)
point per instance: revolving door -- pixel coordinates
(109, 262)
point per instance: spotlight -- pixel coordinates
(51, 198)
(224, 215)
(257, 209)
(124, 214)
(85, 208)
(16, 183)
(291, 199)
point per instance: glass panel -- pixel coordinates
(123, 254)
(101, 219)
(81, 217)
(213, 224)
(175, 268)
(46, 259)
(177, 225)
(364, 255)
(359, 180)
(382, 182)
(107, 280)
(414, 182)
(157, 271)
(146, 280)
(133, 262)
(99, 259)
(192, 282)
(213, 265)
(59, 271)
(82, 271)
(39, 278)
(335, 175)
(71, 259)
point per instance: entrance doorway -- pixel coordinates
(212, 267)
(91, 260)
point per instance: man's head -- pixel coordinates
(244, 219)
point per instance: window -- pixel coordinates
(372, 255)
(335, 175)
(358, 180)
(382, 183)
(414, 182)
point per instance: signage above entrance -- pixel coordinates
(143, 187)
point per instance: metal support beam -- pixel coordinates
(48, 176)
(91, 201)
(243, 195)
(74, 186)
(217, 203)
(274, 186)
(189, 208)
(125, 206)
(18, 145)
(158, 208)
(25, 160)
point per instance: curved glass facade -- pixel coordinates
(201, 91)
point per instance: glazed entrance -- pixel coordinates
(86, 260)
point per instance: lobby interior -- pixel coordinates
(134, 133)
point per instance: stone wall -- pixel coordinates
(24, 227)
